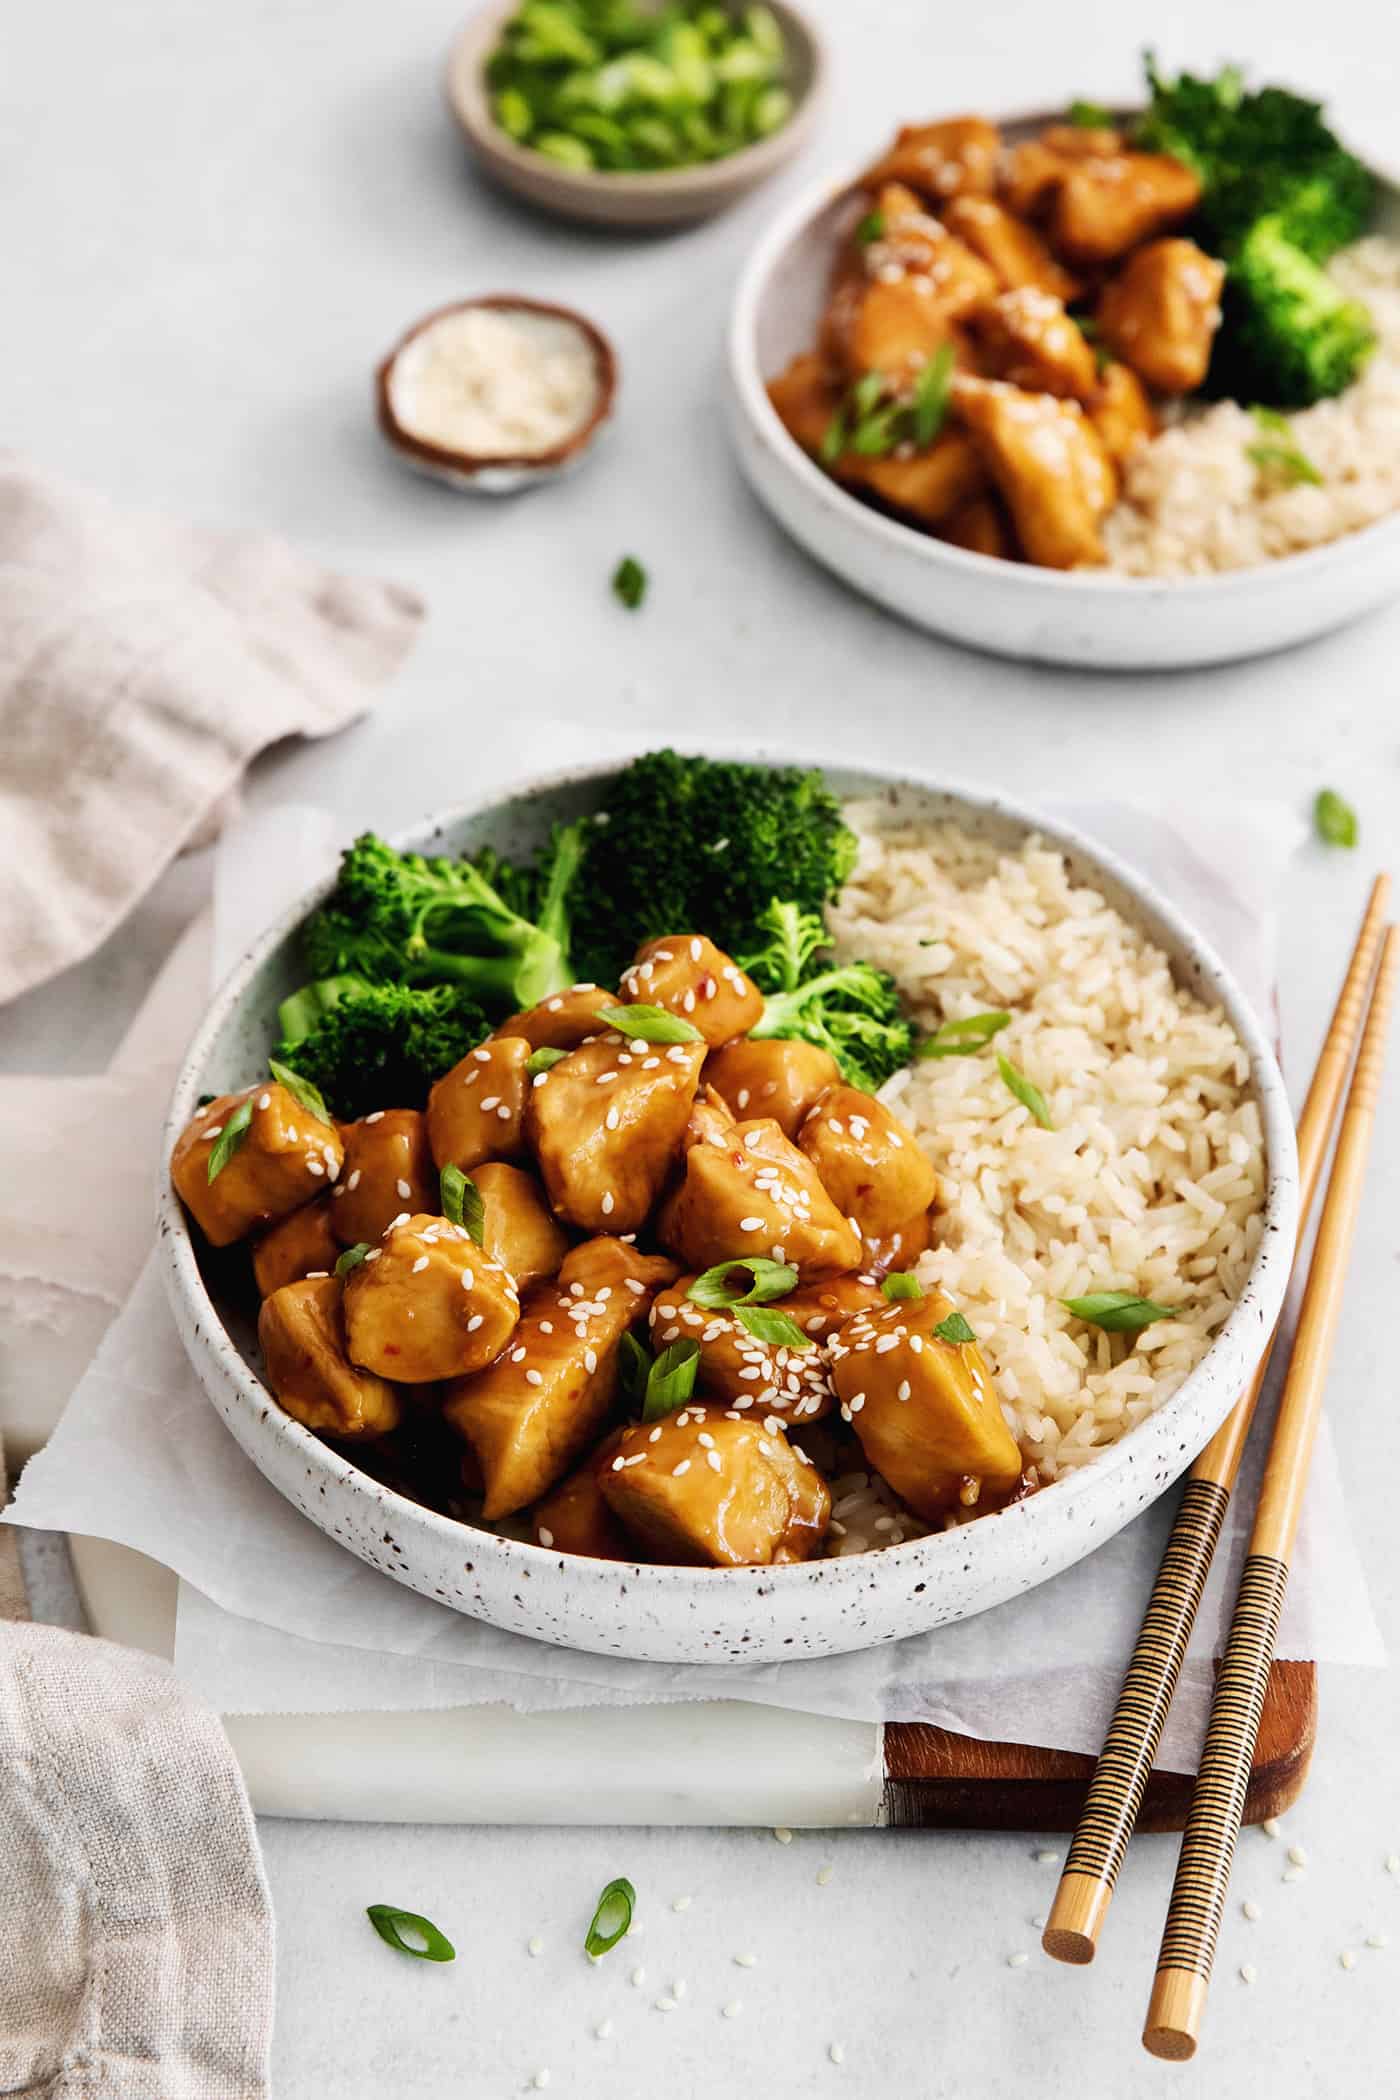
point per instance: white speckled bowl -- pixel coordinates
(1084, 617)
(699, 1614)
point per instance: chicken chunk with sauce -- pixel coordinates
(388, 1168)
(284, 1157)
(1010, 248)
(1160, 313)
(757, 1195)
(300, 1245)
(1122, 415)
(1028, 339)
(518, 1228)
(771, 1077)
(476, 1111)
(574, 1517)
(606, 1124)
(427, 1303)
(716, 1489)
(924, 1407)
(736, 1365)
(952, 158)
(871, 1164)
(686, 974)
(302, 1332)
(1049, 464)
(562, 1021)
(531, 1416)
(1105, 204)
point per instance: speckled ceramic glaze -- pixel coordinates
(700, 1614)
(1083, 617)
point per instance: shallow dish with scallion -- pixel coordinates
(712, 1210)
(633, 114)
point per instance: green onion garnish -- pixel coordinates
(1028, 1095)
(391, 1923)
(649, 1024)
(1335, 820)
(542, 1060)
(901, 1284)
(1090, 116)
(670, 1381)
(612, 1919)
(776, 1328)
(1117, 1312)
(963, 1038)
(871, 228)
(1280, 452)
(833, 442)
(230, 1138)
(301, 1090)
(633, 1365)
(461, 1202)
(352, 1257)
(768, 1280)
(932, 390)
(954, 1329)
(629, 582)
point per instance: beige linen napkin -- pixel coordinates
(138, 1953)
(143, 664)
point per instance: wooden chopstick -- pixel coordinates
(1208, 1847)
(1114, 1799)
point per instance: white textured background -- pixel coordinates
(212, 222)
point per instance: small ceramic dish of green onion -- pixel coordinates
(630, 112)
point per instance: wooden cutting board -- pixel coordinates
(938, 1781)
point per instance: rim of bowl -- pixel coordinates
(466, 97)
(766, 425)
(1254, 1311)
(467, 464)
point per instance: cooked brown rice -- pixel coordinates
(1152, 1180)
(1194, 501)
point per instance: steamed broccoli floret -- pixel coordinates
(378, 1045)
(403, 918)
(850, 1009)
(1266, 153)
(696, 842)
(1289, 336)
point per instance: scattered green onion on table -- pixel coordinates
(611, 86)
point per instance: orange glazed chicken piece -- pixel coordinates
(871, 1165)
(737, 1365)
(981, 525)
(928, 486)
(1008, 246)
(302, 1332)
(533, 1414)
(1161, 311)
(477, 1110)
(1027, 338)
(686, 974)
(716, 1489)
(772, 1077)
(282, 1157)
(1048, 462)
(388, 1168)
(757, 1195)
(606, 1124)
(1122, 415)
(575, 1518)
(1105, 204)
(301, 1245)
(953, 158)
(805, 400)
(562, 1021)
(922, 1402)
(518, 1228)
(427, 1303)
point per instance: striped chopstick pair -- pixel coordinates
(1115, 1792)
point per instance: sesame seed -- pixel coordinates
(1292, 1874)
(750, 1224)
(541, 2079)
(374, 1254)
(681, 1903)
(474, 1322)
(419, 1265)
(1017, 1961)
(403, 1190)
(1392, 1863)
(534, 1945)
(678, 1987)
(1297, 1857)
(824, 1875)
(401, 1219)
(603, 2029)
(733, 2009)
(604, 1078)
(666, 2003)
(1045, 1857)
(1251, 1911)
(265, 1101)
(1248, 1972)
(546, 1538)
(1347, 1958)
(836, 2052)
(678, 1471)
(314, 1166)
(534, 1378)
(1271, 1827)
(639, 1977)
(1377, 1940)
(746, 1961)
(714, 1461)
(783, 1834)
(215, 1130)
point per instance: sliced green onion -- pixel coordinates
(964, 1038)
(1280, 452)
(543, 1060)
(768, 1280)
(1117, 1312)
(876, 435)
(633, 1365)
(461, 1202)
(629, 581)
(901, 1284)
(230, 1138)
(352, 1257)
(1091, 116)
(649, 1024)
(670, 1381)
(1028, 1095)
(833, 442)
(778, 1329)
(868, 393)
(954, 1329)
(612, 1919)
(390, 1923)
(871, 228)
(301, 1090)
(932, 392)
(1335, 820)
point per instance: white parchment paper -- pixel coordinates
(274, 1617)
